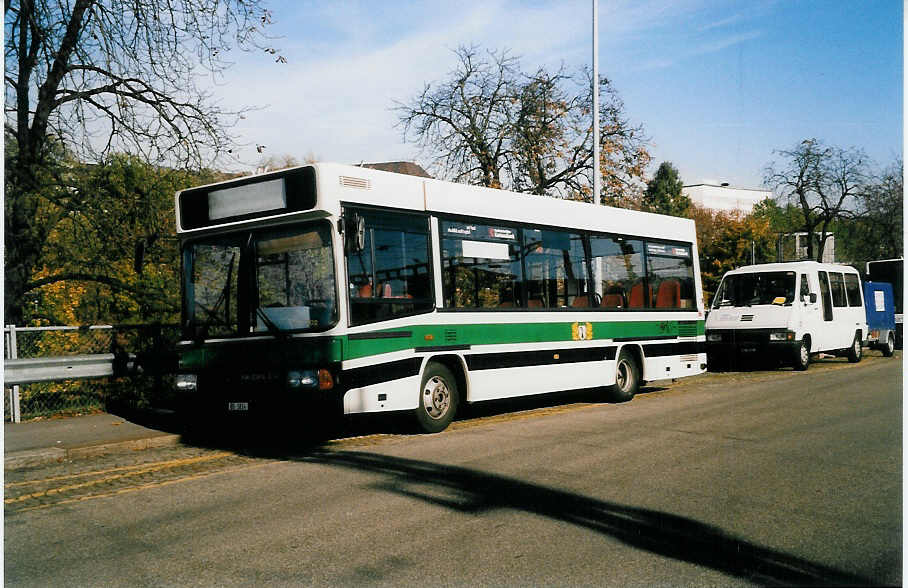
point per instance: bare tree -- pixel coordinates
(824, 182)
(878, 232)
(84, 78)
(466, 121)
(492, 125)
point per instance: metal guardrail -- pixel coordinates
(48, 369)
(89, 362)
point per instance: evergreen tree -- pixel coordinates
(663, 193)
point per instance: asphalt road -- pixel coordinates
(726, 479)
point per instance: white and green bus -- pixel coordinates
(333, 287)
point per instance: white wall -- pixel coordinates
(725, 198)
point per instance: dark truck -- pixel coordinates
(879, 304)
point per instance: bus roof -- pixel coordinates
(338, 184)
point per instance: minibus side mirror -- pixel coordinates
(813, 297)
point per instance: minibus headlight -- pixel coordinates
(187, 382)
(715, 337)
(782, 336)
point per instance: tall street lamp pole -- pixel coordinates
(597, 178)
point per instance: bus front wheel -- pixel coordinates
(627, 378)
(438, 399)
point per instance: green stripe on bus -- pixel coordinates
(334, 349)
(428, 336)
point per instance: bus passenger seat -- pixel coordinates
(582, 300)
(613, 298)
(637, 298)
(669, 294)
(365, 291)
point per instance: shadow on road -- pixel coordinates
(683, 539)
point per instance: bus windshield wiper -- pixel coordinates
(223, 298)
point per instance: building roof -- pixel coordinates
(399, 167)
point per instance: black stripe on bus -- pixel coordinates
(380, 335)
(429, 348)
(682, 348)
(626, 339)
(381, 372)
(513, 359)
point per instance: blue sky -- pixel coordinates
(718, 85)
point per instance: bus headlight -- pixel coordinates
(187, 382)
(782, 336)
(302, 379)
(321, 379)
(714, 337)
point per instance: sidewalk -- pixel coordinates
(35, 443)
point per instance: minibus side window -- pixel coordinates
(826, 296)
(805, 289)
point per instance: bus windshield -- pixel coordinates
(756, 289)
(266, 281)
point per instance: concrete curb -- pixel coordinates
(35, 457)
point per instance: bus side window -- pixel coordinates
(481, 265)
(619, 275)
(556, 271)
(390, 275)
(670, 274)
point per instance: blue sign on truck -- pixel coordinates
(879, 303)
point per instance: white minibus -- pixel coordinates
(787, 311)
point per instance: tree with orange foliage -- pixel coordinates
(727, 240)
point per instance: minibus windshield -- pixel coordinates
(756, 289)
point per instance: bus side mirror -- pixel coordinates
(356, 233)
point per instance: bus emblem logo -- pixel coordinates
(582, 331)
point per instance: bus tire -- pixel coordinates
(438, 399)
(627, 378)
(854, 352)
(888, 348)
(802, 355)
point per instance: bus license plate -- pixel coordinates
(237, 406)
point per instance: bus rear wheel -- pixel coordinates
(627, 378)
(438, 399)
(888, 348)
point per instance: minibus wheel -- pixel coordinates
(438, 399)
(854, 352)
(802, 357)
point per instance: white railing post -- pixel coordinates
(12, 352)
